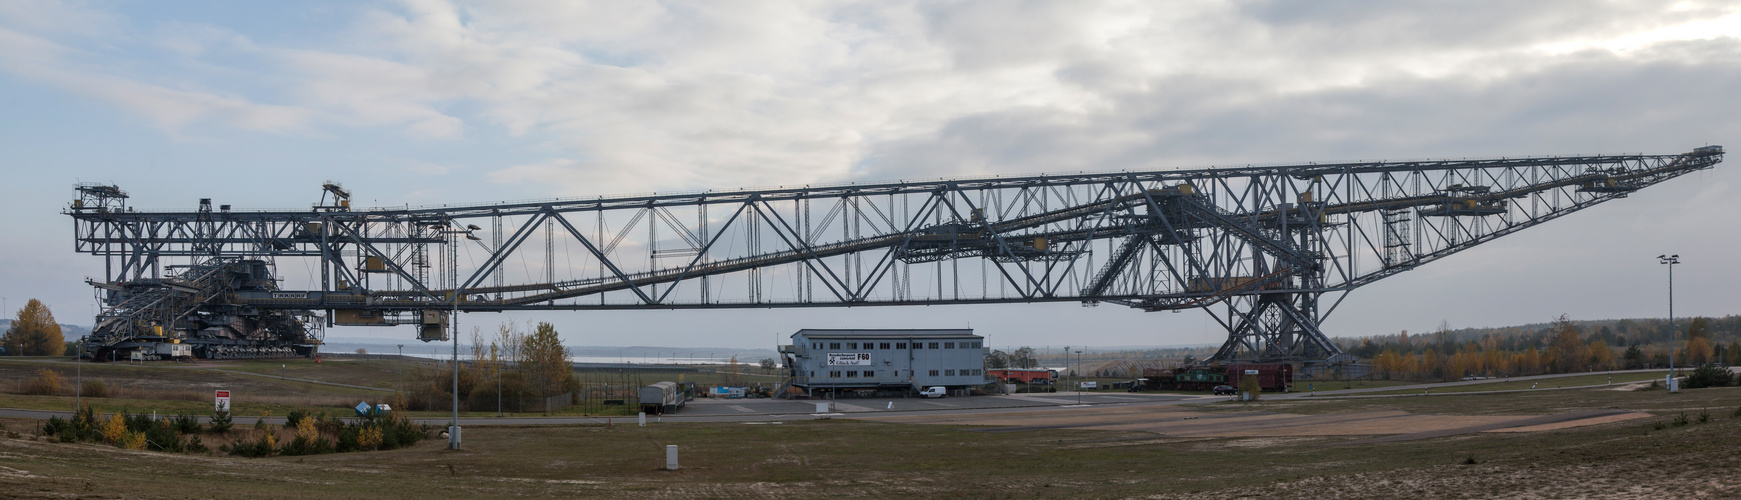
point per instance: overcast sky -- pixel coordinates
(256, 103)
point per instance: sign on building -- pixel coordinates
(849, 358)
(223, 401)
(1251, 372)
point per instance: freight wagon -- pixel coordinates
(1278, 377)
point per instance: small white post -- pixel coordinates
(670, 457)
(643, 419)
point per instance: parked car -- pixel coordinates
(935, 392)
(1225, 390)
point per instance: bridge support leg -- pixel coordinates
(1276, 327)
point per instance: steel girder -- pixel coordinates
(1268, 241)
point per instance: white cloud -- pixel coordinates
(641, 96)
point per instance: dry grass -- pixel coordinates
(844, 458)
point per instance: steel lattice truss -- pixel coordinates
(1258, 246)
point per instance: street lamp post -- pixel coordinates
(453, 232)
(1671, 260)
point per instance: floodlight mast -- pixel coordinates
(1670, 261)
(1262, 249)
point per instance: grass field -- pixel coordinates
(256, 386)
(845, 458)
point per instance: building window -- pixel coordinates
(833, 345)
(933, 373)
(948, 373)
(948, 345)
(870, 373)
(851, 374)
(933, 345)
(834, 374)
(884, 345)
(900, 345)
(812, 373)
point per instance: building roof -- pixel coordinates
(890, 334)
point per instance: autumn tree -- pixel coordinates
(1699, 328)
(1566, 349)
(1599, 355)
(1697, 351)
(34, 333)
(545, 360)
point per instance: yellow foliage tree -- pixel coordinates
(1388, 364)
(34, 333)
(1529, 362)
(305, 430)
(1697, 351)
(132, 440)
(369, 438)
(114, 430)
(1600, 355)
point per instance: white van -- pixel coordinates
(935, 392)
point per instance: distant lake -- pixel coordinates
(636, 360)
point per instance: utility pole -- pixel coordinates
(399, 368)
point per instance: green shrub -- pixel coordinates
(139, 422)
(195, 445)
(221, 422)
(258, 448)
(163, 437)
(306, 446)
(1709, 376)
(56, 426)
(293, 418)
(185, 424)
(349, 439)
